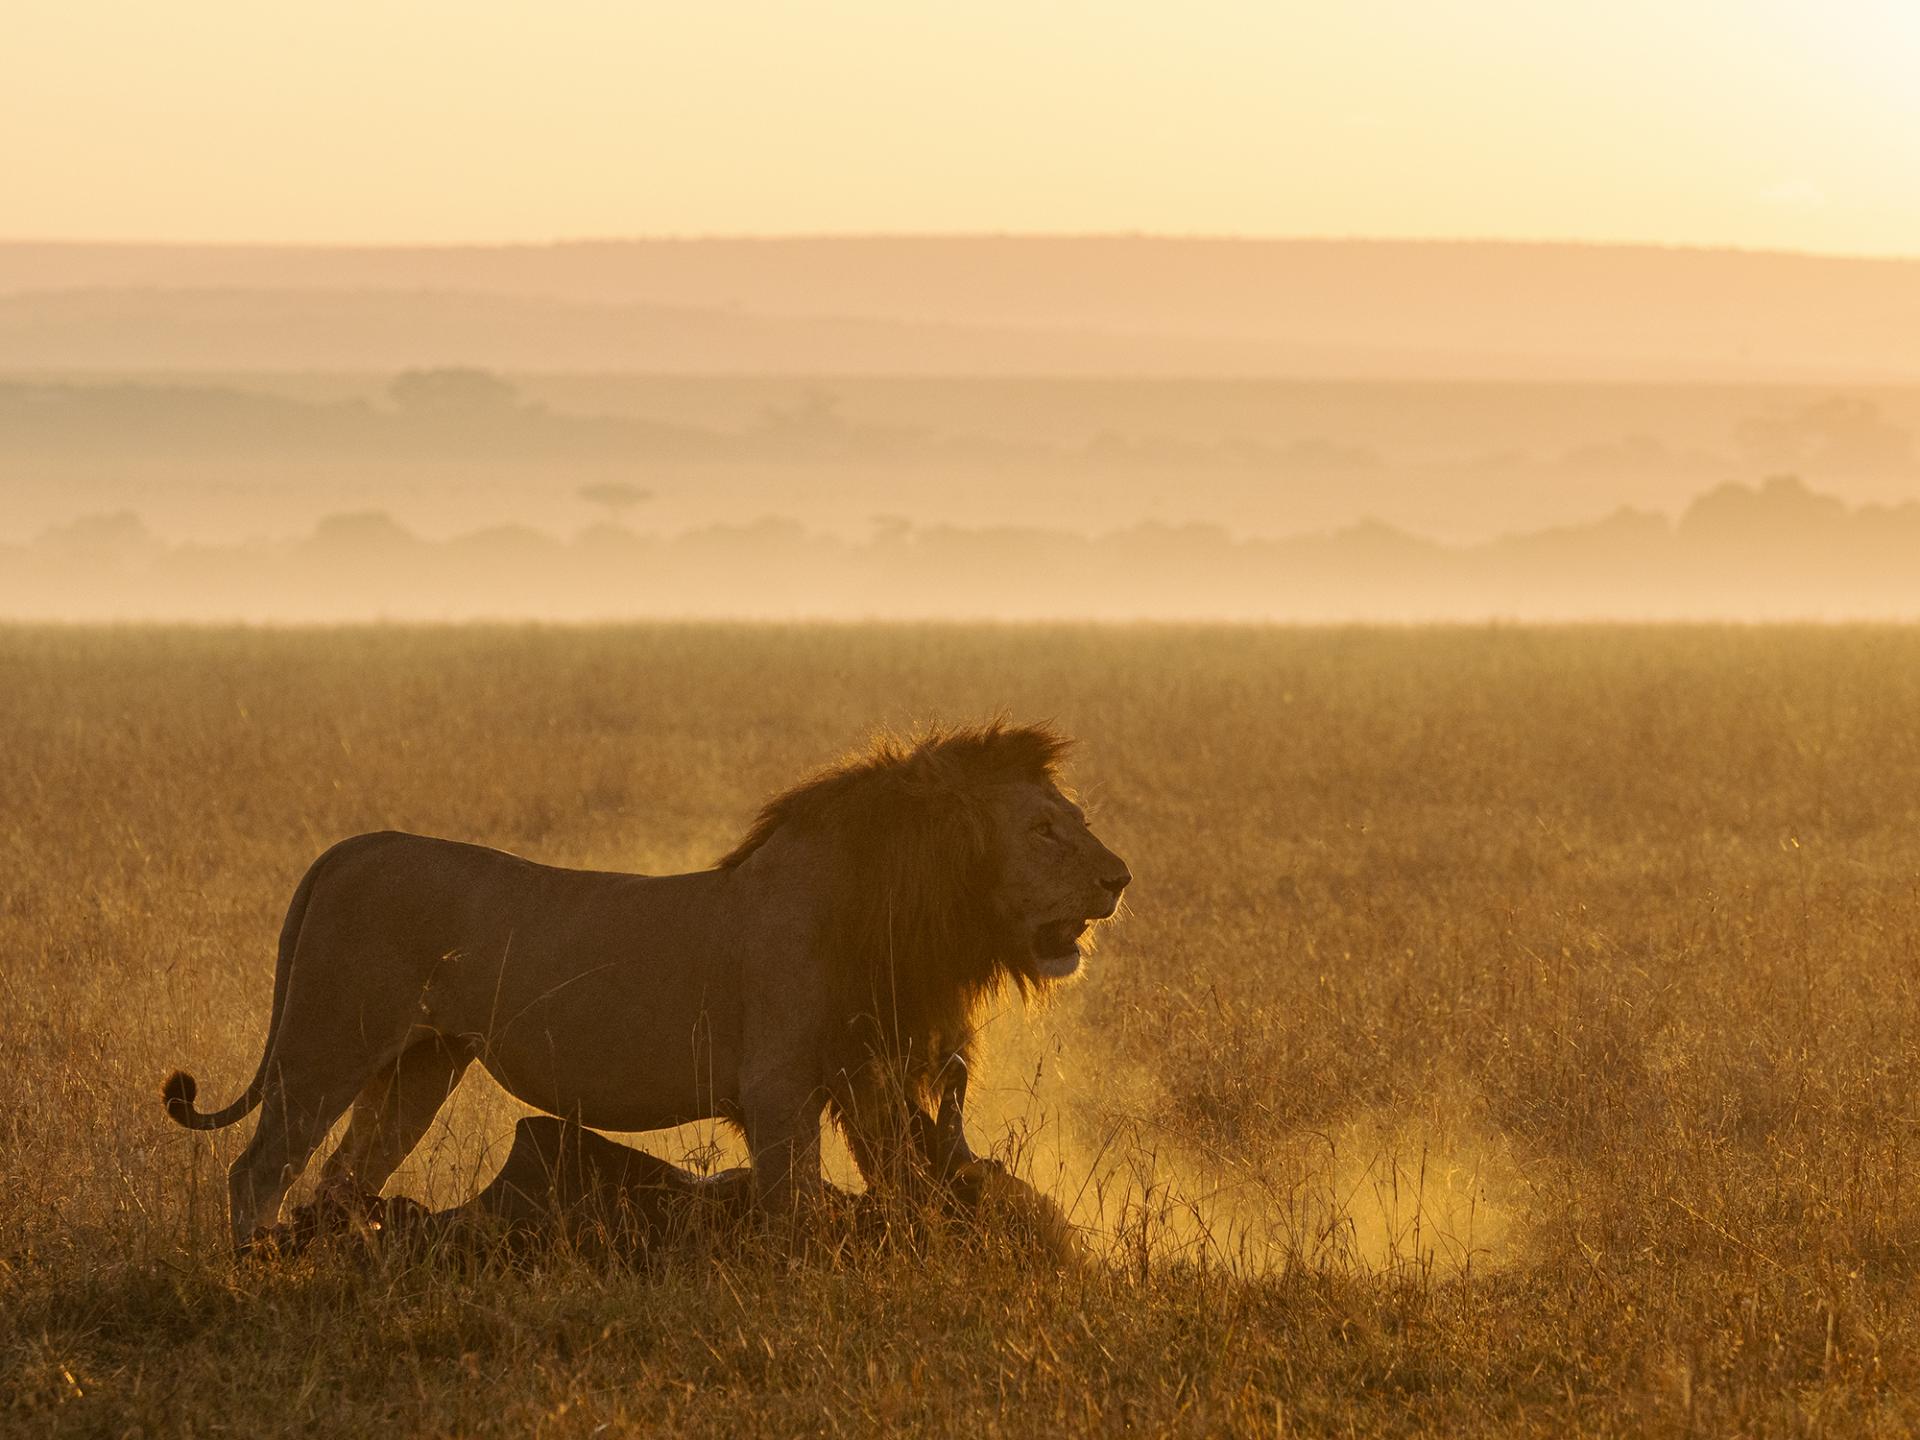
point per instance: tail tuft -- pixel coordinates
(179, 1092)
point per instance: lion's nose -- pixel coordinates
(1117, 882)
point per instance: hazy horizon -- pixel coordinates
(1777, 551)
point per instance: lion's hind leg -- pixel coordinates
(294, 1119)
(391, 1115)
(311, 1081)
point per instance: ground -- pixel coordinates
(1511, 1031)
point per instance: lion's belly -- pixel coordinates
(624, 1094)
(632, 1047)
(611, 1001)
(619, 1056)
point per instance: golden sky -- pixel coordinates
(1764, 123)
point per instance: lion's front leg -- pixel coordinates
(950, 1151)
(889, 1126)
(898, 1146)
(783, 1138)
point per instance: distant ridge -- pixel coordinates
(369, 329)
(1348, 308)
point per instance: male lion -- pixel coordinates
(835, 959)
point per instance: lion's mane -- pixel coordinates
(913, 945)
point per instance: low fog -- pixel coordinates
(319, 435)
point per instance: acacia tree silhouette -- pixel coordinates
(617, 496)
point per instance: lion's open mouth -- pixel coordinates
(1056, 947)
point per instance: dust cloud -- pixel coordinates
(1426, 1195)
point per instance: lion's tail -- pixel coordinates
(180, 1088)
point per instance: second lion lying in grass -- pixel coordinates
(564, 1187)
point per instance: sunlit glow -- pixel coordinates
(1767, 123)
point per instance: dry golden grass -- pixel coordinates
(1515, 1032)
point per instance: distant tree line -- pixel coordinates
(1772, 550)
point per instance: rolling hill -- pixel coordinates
(974, 305)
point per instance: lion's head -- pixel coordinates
(960, 865)
(1055, 878)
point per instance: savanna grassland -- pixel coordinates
(1511, 1031)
